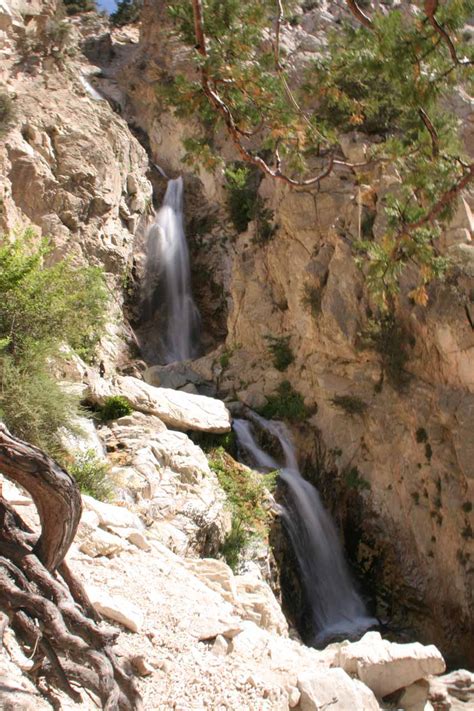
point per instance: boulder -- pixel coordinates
(116, 608)
(175, 408)
(110, 515)
(386, 666)
(333, 688)
(99, 542)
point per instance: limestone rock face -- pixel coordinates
(175, 408)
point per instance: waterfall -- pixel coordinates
(337, 609)
(168, 263)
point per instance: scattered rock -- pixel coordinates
(220, 646)
(110, 515)
(141, 666)
(100, 542)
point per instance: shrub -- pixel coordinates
(7, 112)
(286, 404)
(279, 347)
(246, 494)
(43, 307)
(92, 475)
(312, 298)
(114, 407)
(127, 12)
(351, 404)
(389, 339)
(354, 480)
(244, 202)
(467, 506)
(421, 435)
(75, 7)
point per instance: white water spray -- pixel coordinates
(336, 607)
(168, 253)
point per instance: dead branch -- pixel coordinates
(359, 14)
(431, 130)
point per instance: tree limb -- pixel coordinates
(431, 7)
(54, 492)
(360, 14)
(431, 130)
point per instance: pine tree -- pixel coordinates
(389, 74)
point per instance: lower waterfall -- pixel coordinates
(336, 607)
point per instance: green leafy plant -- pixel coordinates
(312, 299)
(286, 404)
(127, 12)
(351, 404)
(7, 112)
(43, 307)
(246, 495)
(279, 347)
(354, 480)
(389, 339)
(75, 7)
(390, 74)
(244, 202)
(92, 475)
(114, 406)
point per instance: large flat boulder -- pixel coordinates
(177, 409)
(334, 689)
(387, 666)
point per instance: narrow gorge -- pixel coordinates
(268, 376)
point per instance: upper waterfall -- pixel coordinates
(336, 607)
(168, 259)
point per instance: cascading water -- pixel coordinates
(168, 263)
(336, 607)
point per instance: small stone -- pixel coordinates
(141, 666)
(116, 608)
(220, 646)
(139, 540)
(294, 696)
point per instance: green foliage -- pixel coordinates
(467, 532)
(114, 407)
(286, 404)
(388, 338)
(244, 202)
(246, 495)
(280, 349)
(43, 307)
(467, 506)
(209, 441)
(354, 480)
(312, 298)
(392, 82)
(92, 475)
(127, 12)
(75, 7)
(351, 404)
(421, 435)
(7, 112)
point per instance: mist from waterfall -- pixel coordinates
(168, 267)
(337, 609)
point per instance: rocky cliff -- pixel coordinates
(386, 431)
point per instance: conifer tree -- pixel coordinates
(389, 73)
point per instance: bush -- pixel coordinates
(114, 407)
(92, 475)
(75, 7)
(7, 112)
(390, 340)
(286, 404)
(246, 494)
(43, 307)
(312, 298)
(281, 351)
(244, 202)
(127, 12)
(354, 480)
(351, 404)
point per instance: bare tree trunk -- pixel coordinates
(51, 613)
